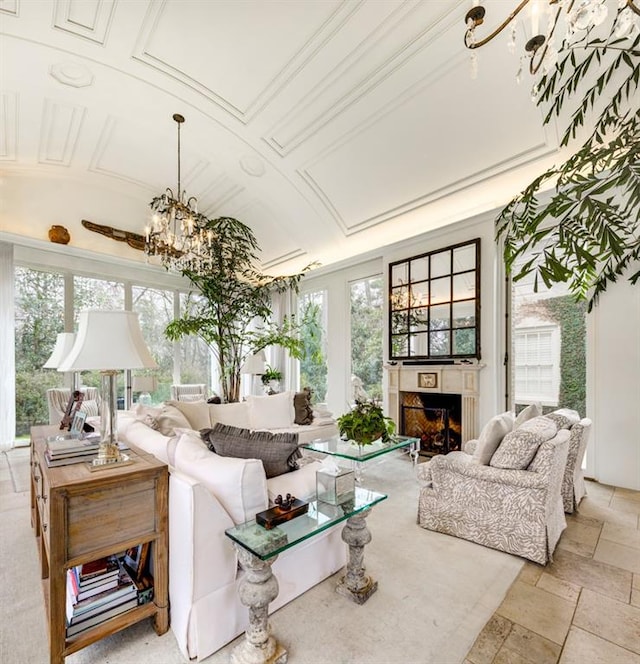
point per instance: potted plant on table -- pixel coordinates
(366, 423)
(271, 379)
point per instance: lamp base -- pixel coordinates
(103, 463)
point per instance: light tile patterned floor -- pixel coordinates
(585, 606)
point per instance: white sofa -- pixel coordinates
(209, 493)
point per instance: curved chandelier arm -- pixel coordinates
(475, 16)
(632, 7)
(534, 44)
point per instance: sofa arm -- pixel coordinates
(202, 559)
(470, 446)
(442, 464)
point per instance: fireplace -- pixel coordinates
(435, 419)
(448, 392)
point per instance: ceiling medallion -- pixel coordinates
(73, 74)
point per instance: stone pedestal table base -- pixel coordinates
(355, 584)
(256, 591)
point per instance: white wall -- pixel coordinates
(613, 387)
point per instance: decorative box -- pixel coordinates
(335, 487)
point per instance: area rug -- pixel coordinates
(435, 594)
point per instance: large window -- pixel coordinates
(537, 364)
(195, 356)
(366, 338)
(39, 315)
(313, 367)
(434, 308)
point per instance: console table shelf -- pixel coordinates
(79, 516)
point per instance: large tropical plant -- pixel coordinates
(233, 316)
(586, 233)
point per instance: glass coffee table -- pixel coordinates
(358, 454)
(258, 549)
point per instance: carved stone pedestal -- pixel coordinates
(355, 584)
(258, 588)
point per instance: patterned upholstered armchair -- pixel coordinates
(573, 487)
(517, 510)
(58, 398)
(195, 392)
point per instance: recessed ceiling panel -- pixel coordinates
(8, 126)
(84, 18)
(438, 138)
(237, 53)
(59, 132)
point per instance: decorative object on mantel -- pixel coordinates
(541, 49)
(285, 509)
(365, 423)
(178, 233)
(59, 235)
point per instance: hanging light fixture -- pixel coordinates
(178, 233)
(581, 16)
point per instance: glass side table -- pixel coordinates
(258, 549)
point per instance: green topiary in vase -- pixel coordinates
(366, 423)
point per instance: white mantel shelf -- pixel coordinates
(459, 379)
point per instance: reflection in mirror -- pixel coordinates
(399, 298)
(399, 275)
(464, 314)
(419, 269)
(464, 258)
(441, 290)
(419, 320)
(399, 346)
(439, 343)
(464, 341)
(440, 264)
(419, 344)
(420, 294)
(440, 317)
(399, 322)
(464, 286)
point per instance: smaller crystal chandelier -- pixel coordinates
(581, 16)
(178, 233)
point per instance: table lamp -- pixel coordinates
(144, 385)
(63, 345)
(108, 341)
(255, 366)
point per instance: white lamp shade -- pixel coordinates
(144, 384)
(64, 344)
(108, 341)
(254, 364)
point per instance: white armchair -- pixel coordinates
(194, 392)
(58, 398)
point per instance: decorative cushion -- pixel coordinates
(148, 415)
(518, 448)
(90, 407)
(271, 412)
(302, 407)
(170, 418)
(491, 436)
(232, 414)
(278, 452)
(191, 397)
(564, 418)
(197, 412)
(528, 413)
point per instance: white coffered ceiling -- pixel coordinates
(330, 127)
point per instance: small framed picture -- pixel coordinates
(77, 423)
(428, 380)
(136, 560)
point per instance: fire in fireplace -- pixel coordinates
(436, 419)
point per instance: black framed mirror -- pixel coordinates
(434, 304)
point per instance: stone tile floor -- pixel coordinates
(584, 608)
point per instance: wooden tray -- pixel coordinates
(270, 518)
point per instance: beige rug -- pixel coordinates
(435, 592)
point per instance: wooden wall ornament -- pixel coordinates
(134, 240)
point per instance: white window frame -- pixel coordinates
(544, 399)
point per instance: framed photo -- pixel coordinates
(136, 560)
(428, 380)
(77, 423)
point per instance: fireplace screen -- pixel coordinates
(433, 418)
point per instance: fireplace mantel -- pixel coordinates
(459, 379)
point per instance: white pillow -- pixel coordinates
(491, 436)
(275, 411)
(531, 411)
(231, 414)
(197, 412)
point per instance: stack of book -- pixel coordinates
(97, 591)
(63, 450)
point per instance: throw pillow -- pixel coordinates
(271, 412)
(278, 452)
(528, 413)
(148, 415)
(491, 436)
(302, 407)
(565, 418)
(197, 412)
(519, 447)
(90, 407)
(232, 414)
(170, 418)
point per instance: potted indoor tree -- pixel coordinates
(366, 423)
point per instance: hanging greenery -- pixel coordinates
(587, 233)
(233, 316)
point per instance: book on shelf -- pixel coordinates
(85, 593)
(98, 571)
(87, 622)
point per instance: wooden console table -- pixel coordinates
(79, 516)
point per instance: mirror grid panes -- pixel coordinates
(434, 304)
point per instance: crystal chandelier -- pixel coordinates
(178, 233)
(541, 50)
